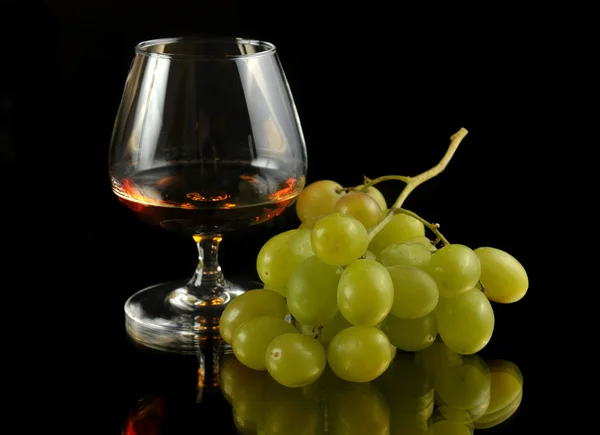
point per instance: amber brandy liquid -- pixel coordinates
(195, 197)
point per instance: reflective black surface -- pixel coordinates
(419, 392)
(375, 97)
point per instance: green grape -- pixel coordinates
(248, 305)
(410, 335)
(394, 350)
(504, 278)
(465, 323)
(368, 255)
(435, 358)
(310, 223)
(357, 410)
(506, 385)
(331, 329)
(278, 258)
(295, 360)
(448, 427)
(252, 338)
(327, 331)
(318, 199)
(365, 293)
(374, 193)
(312, 291)
(361, 206)
(305, 329)
(401, 228)
(359, 353)
(415, 292)
(424, 241)
(405, 254)
(465, 386)
(339, 239)
(293, 417)
(455, 268)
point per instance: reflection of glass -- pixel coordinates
(171, 388)
(434, 391)
(206, 140)
(145, 417)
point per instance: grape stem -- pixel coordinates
(368, 183)
(432, 226)
(317, 332)
(413, 182)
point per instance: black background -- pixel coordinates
(378, 90)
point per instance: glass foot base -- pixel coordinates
(156, 318)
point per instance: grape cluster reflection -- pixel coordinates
(435, 391)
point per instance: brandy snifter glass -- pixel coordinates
(207, 140)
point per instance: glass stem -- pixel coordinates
(208, 281)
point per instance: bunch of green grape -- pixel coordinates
(430, 392)
(355, 299)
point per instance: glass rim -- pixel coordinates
(142, 48)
